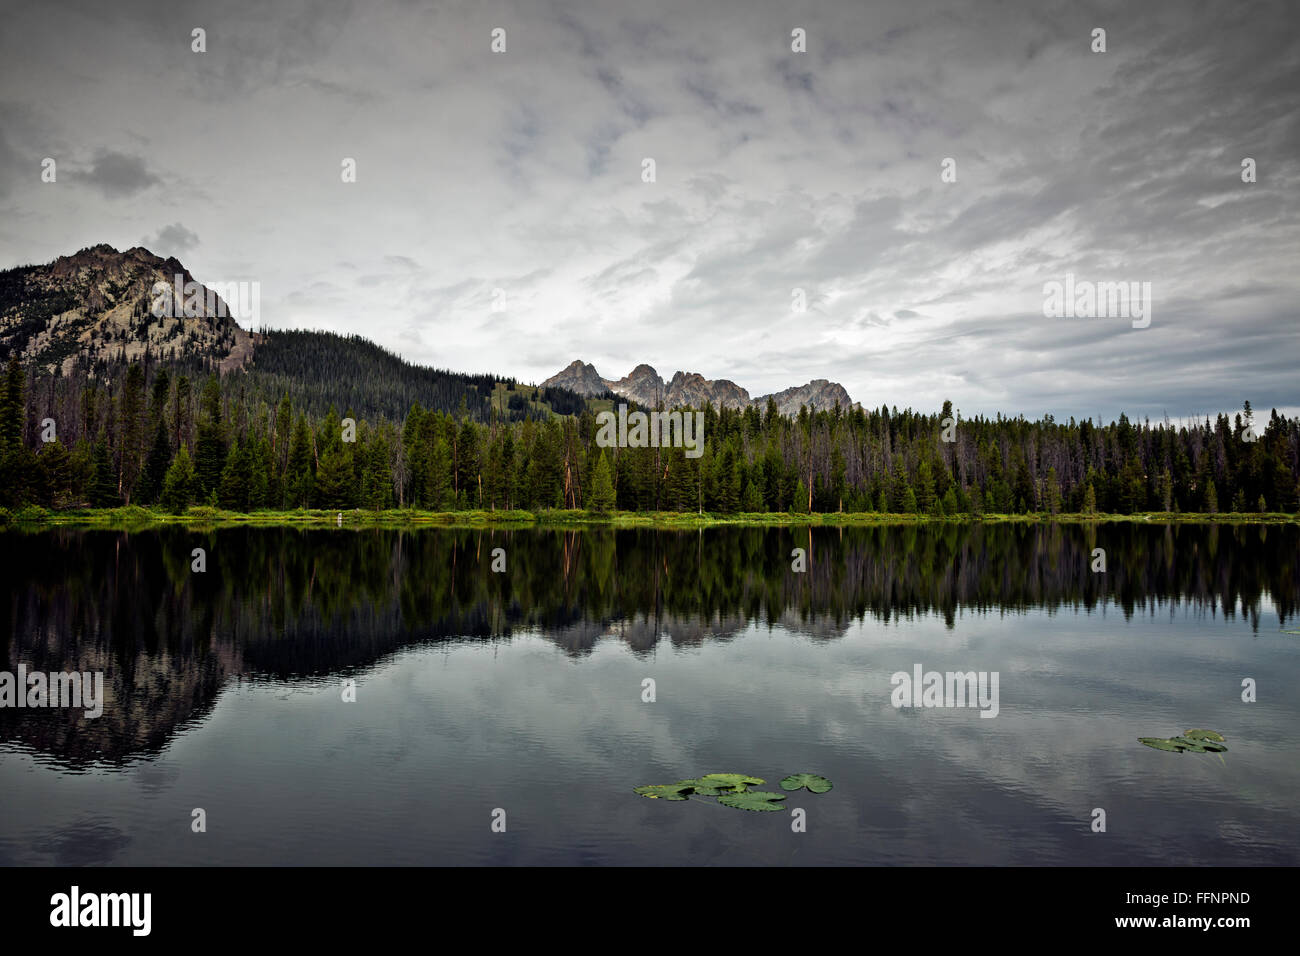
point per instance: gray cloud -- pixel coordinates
(173, 240)
(820, 171)
(118, 175)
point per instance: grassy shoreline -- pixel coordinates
(137, 517)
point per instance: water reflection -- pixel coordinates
(293, 605)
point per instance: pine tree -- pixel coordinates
(178, 485)
(236, 479)
(155, 466)
(925, 496)
(377, 478)
(335, 484)
(800, 503)
(298, 473)
(950, 504)
(602, 487)
(1090, 500)
(103, 483)
(1053, 491)
(55, 475)
(210, 449)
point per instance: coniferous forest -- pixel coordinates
(167, 438)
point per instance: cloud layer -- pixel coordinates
(775, 171)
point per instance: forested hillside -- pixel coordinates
(154, 435)
(320, 369)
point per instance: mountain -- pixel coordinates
(641, 385)
(644, 386)
(580, 378)
(818, 394)
(98, 306)
(88, 315)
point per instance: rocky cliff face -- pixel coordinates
(100, 304)
(641, 385)
(644, 386)
(579, 378)
(691, 388)
(818, 395)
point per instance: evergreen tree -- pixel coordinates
(103, 483)
(210, 450)
(155, 467)
(298, 472)
(236, 479)
(334, 486)
(925, 496)
(800, 503)
(1053, 491)
(178, 484)
(602, 487)
(55, 475)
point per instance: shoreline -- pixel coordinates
(136, 517)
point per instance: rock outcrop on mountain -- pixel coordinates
(644, 386)
(100, 305)
(691, 388)
(818, 394)
(579, 378)
(641, 385)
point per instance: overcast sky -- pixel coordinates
(775, 170)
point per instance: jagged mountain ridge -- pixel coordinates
(95, 308)
(646, 387)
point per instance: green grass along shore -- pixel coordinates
(133, 516)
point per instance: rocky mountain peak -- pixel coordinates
(644, 386)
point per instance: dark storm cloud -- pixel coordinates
(777, 171)
(118, 175)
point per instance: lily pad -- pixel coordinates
(681, 790)
(752, 800)
(1162, 743)
(797, 781)
(1194, 746)
(1204, 735)
(728, 782)
(704, 788)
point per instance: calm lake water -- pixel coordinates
(523, 691)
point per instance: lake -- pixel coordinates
(520, 698)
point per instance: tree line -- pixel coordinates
(154, 435)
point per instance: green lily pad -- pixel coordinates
(729, 782)
(1204, 735)
(1212, 747)
(681, 790)
(1194, 746)
(812, 781)
(752, 800)
(705, 788)
(1162, 743)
